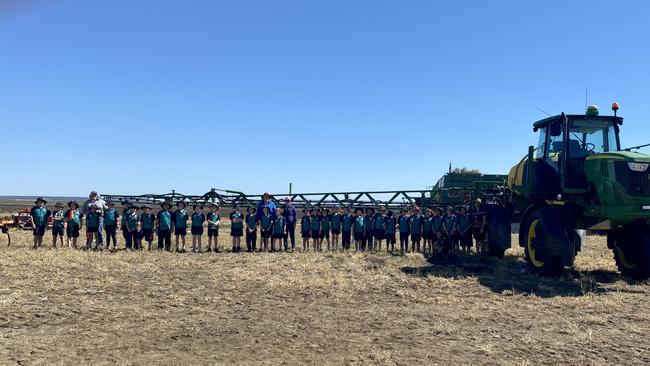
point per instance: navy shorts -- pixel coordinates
(237, 231)
(278, 236)
(110, 229)
(315, 234)
(92, 229)
(478, 235)
(39, 230)
(213, 232)
(358, 236)
(266, 234)
(325, 234)
(146, 234)
(378, 234)
(415, 237)
(180, 231)
(197, 230)
(57, 230)
(336, 232)
(427, 235)
(72, 231)
(306, 235)
(390, 238)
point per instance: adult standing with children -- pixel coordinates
(265, 202)
(95, 200)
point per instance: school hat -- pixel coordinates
(180, 203)
(214, 205)
(358, 209)
(478, 200)
(70, 203)
(58, 204)
(197, 205)
(145, 206)
(166, 203)
(40, 199)
(110, 203)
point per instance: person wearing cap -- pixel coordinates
(415, 225)
(58, 224)
(290, 217)
(251, 229)
(265, 202)
(92, 228)
(74, 223)
(390, 226)
(38, 216)
(378, 231)
(147, 224)
(236, 228)
(132, 223)
(479, 221)
(198, 220)
(359, 229)
(214, 220)
(165, 226)
(180, 225)
(111, 217)
(403, 223)
(347, 222)
(95, 199)
(335, 223)
(305, 228)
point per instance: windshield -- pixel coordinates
(591, 136)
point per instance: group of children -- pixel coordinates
(434, 233)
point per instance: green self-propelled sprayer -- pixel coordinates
(579, 177)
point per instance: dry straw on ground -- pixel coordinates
(72, 307)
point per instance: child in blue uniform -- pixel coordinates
(110, 225)
(390, 226)
(427, 232)
(266, 226)
(366, 243)
(403, 222)
(251, 229)
(123, 217)
(279, 229)
(449, 230)
(305, 228)
(347, 222)
(438, 234)
(335, 221)
(164, 226)
(236, 228)
(180, 225)
(58, 223)
(74, 223)
(38, 217)
(132, 222)
(325, 227)
(465, 230)
(359, 229)
(378, 230)
(92, 227)
(316, 219)
(198, 218)
(147, 224)
(415, 224)
(213, 228)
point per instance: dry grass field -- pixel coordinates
(61, 307)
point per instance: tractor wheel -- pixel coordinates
(536, 261)
(631, 247)
(499, 231)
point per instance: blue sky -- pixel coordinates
(140, 96)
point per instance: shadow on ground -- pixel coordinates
(510, 275)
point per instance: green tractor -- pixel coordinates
(579, 178)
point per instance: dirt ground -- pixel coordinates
(62, 307)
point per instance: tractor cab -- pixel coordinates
(566, 141)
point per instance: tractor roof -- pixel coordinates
(544, 122)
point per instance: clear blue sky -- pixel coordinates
(143, 96)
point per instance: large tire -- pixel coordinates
(631, 247)
(536, 261)
(499, 231)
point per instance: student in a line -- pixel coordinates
(147, 224)
(58, 224)
(251, 229)
(74, 224)
(236, 228)
(316, 220)
(449, 230)
(165, 226)
(465, 230)
(403, 222)
(305, 228)
(92, 227)
(367, 243)
(335, 222)
(479, 221)
(214, 220)
(325, 225)
(378, 231)
(438, 234)
(347, 222)
(110, 225)
(38, 217)
(123, 217)
(198, 219)
(415, 224)
(180, 225)
(390, 226)
(132, 222)
(359, 229)
(427, 232)
(279, 230)
(266, 226)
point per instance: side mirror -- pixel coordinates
(555, 129)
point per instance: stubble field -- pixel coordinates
(73, 307)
